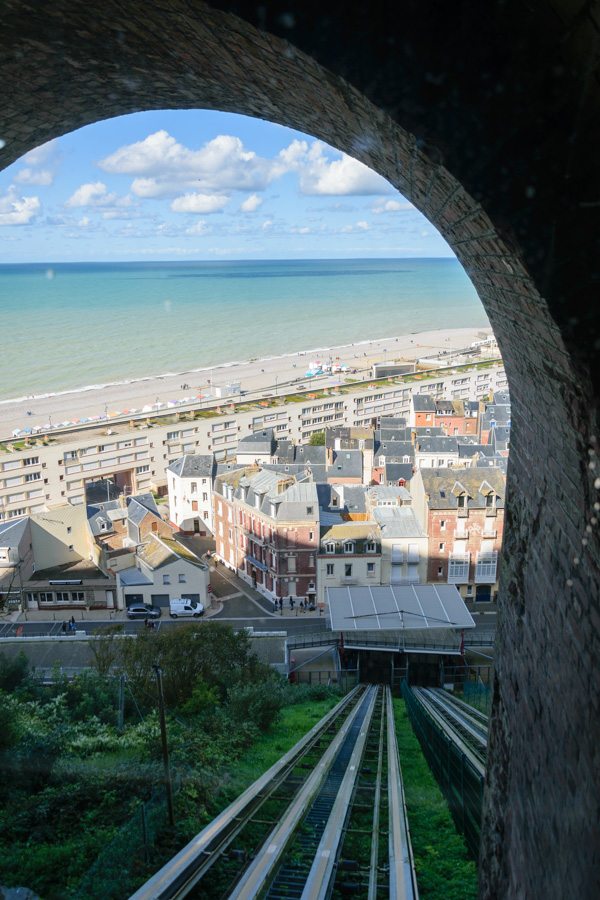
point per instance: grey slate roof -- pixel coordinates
(395, 450)
(429, 431)
(258, 442)
(437, 444)
(133, 576)
(468, 451)
(398, 522)
(193, 465)
(394, 472)
(12, 532)
(423, 403)
(139, 506)
(443, 486)
(346, 464)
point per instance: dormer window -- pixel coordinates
(490, 501)
(348, 546)
(330, 548)
(370, 547)
(460, 500)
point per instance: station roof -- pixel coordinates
(397, 607)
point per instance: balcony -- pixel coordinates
(461, 535)
(458, 568)
(463, 511)
(486, 567)
(491, 511)
(349, 579)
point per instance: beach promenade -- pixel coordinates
(272, 376)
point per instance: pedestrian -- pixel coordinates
(301, 606)
(70, 624)
(291, 602)
(64, 627)
(74, 628)
(73, 621)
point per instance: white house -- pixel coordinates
(164, 570)
(190, 481)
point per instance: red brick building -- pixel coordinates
(462, 512)
(267, 530)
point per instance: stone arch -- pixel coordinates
(476, 120)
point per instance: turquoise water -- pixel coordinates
(74, 324)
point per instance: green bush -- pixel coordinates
(259, 703)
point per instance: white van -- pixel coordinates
(182, 607)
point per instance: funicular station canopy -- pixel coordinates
(425, 618)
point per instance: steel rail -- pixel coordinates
(184, 870)
(321, 873)
(372, 890)
(472, 755)
(262, 868)
(463, 720)
(402, 875)
(479, 718)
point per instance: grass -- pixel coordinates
(293, 724)
(444, 867)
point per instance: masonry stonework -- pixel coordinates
(488, 122)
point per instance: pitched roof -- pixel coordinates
(441, 486)
(12, 532)
(193, 465)
(398, 522)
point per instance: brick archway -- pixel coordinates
(489, 126)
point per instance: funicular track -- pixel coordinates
(464, 727)
(327, 820)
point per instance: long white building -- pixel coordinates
(132, 456)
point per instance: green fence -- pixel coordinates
(124, 863)
(460, 783)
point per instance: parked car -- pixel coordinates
(141, 611)
(182, 607)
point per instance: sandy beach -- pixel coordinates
(274, 375)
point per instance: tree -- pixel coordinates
(317, 439)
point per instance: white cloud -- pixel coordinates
(47, 156)
(356, 229)
(251, 203)
(15, 210)
(42, 153)
(163, 167)
(199, 203)
(41, 177)
(199, 228)
(345, 176)
(267, 224)
(383, 206)
(96, 194)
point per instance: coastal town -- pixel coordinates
(396, 477)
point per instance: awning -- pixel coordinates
(397, 608)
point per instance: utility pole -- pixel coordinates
(121, 701)
(165, 749)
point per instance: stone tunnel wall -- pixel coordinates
(487, 123)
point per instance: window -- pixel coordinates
(311, 535)
(33, 476)
(440, 572)
(370, 547)
(29, 461)
(71, 548)
(469, 590)
(182, 579)
(441, 548)
(46, 597)
(205, 515)
(348, 570)
(204, 496)
(442, 524)
(329, 548)
(349, 547)
(291, 563)
(68, 529)
(309, 510)
(460, 500)
(370, 568)
(194, 506)
(77, 597)
(166, 579)
(194, 488)
(489, 500)
(141, 469)
(62, 596)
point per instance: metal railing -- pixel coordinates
(460, 783)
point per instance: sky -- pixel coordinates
(197, 184)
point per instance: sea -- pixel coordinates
(68, 326)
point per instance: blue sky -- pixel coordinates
(202, 185)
